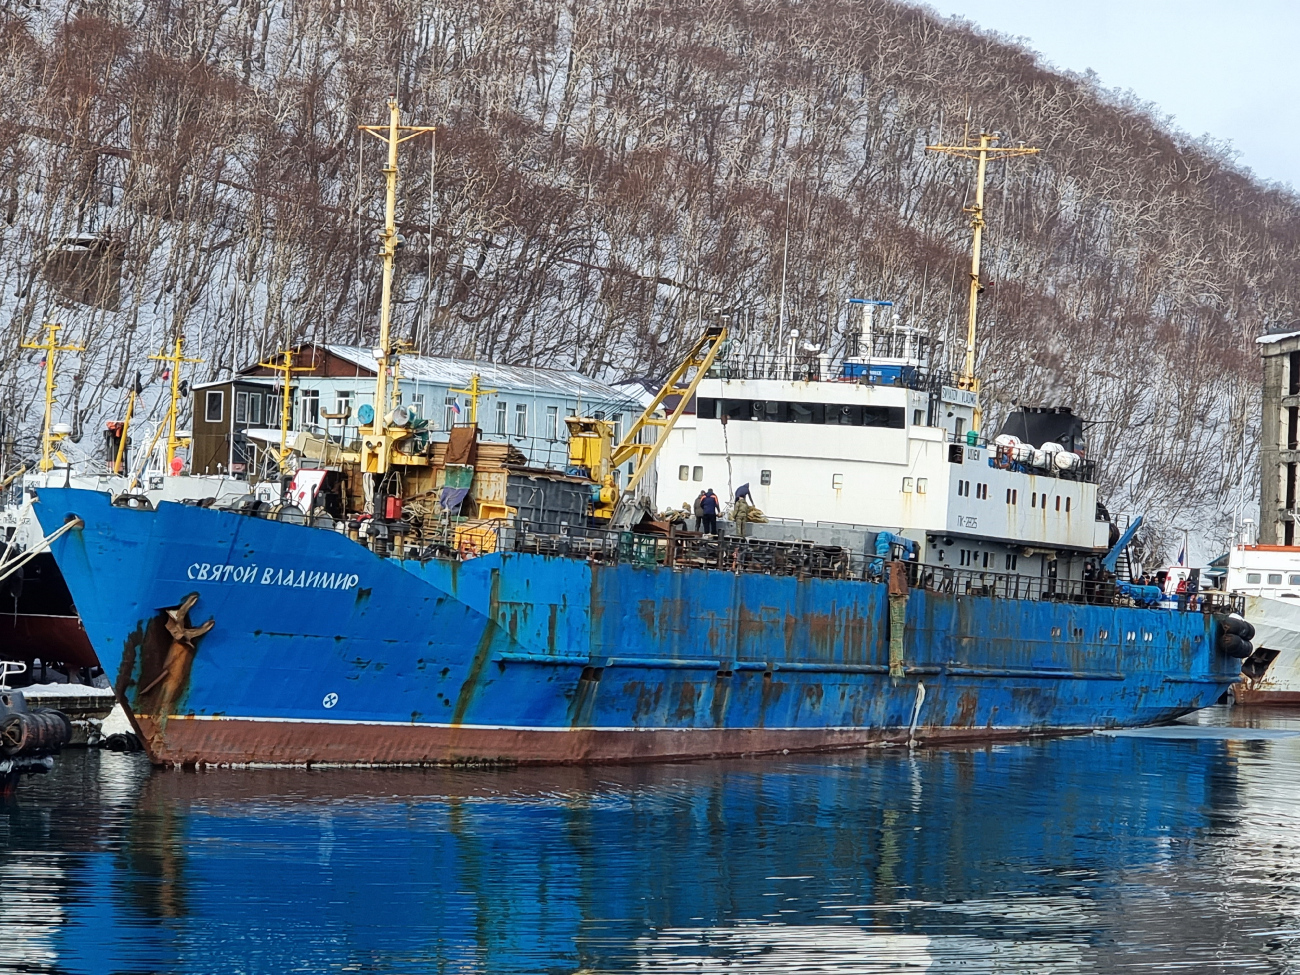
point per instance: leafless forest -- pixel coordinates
(608, 171)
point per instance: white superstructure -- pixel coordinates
(885, 445)
(1269, 577)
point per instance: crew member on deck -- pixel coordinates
(709, 510)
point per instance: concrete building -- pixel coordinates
(234, 419)
(1279, 436)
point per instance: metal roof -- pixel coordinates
(505, 379)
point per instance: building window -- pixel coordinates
(417, 406)
(553, 424)
(907, 485)
(241, 407)
(837, 481)
(214, 406)
(918, 417)
(309, 402)
(343, 401)
(765, 478)
(501, 419)
(684, 472)
(1252, 578)
(921, 484)
(273, 405)
(697, 474)
(521, 419)
(1275, 578)
(449, 407)
(255, 408)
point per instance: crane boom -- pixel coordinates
(700, 357)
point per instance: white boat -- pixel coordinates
(1269, 577)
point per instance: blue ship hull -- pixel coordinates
(321, 652)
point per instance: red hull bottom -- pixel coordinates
(1245, 694)
(26, 636)
(235, 741)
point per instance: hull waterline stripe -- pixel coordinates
(589, 728)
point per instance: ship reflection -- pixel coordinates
(1091, 854)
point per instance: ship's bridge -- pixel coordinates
(899, 453)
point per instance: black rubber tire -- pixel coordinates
(1235, 646)
(1239, 627)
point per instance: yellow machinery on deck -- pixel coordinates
(592, 450)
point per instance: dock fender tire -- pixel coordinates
(1235, 646)
(1239, 627)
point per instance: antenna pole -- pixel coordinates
(981, 153)
(174, 443)
(475, 392)
(376, 445)
(51, 348)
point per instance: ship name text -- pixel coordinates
(270, 576)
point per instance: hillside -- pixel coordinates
(608, 171)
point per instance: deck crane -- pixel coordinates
(593, 453)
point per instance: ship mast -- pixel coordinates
(981, 153)
(175, 360)
(376, 443)
(51, 348)
(475, 392)
(285, 368)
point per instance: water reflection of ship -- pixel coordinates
(1024, 858)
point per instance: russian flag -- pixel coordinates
(455, 406)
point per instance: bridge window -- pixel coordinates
(697, 474)
(765, 477)
(684, 472)
(1275, 578)
(923, 482)
(837, 481)
(776, 411)
(907, 485)
(1293, 580)
(1252, 578)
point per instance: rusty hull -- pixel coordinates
(321, 652)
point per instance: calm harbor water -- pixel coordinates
(1173, 849)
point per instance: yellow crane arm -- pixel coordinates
(700, 358)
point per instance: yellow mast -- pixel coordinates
(177, 357)
(286, 369)
(981, 153)
(475, 393)
(50, 347)
(376, 443)
(126, 429)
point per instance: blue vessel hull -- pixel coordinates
(321, 651)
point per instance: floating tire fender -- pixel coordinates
(1234, 634)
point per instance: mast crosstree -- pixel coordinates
(51, 348)
(377, 443)
(982, 154)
